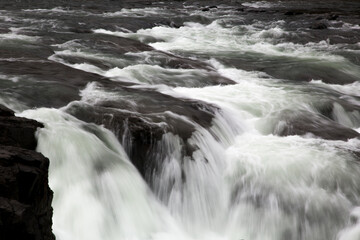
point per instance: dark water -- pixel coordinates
(191, 120)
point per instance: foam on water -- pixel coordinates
(259, 4)
(139, 12)
(352, 232)
(98, 193)
(14, 36)
(217, 39)
(242, 184)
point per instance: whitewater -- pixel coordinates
(246, 127)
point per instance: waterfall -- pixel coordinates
(239, 121)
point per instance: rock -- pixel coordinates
(141, 125)
(319, 26)
(80, 30)
(294, 13)
(302, 123)
(6, 112)
(19, 132)
(332, 17)
(25, 197)
(205, 9)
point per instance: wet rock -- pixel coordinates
(80, 30)
(118, 47)
(141, 119)
(4, 30)
(45, 77)
(332, 17)
(19, 132)
(304, 123)
(293, 13)
(25, 197)
(6, 112)
(293, 70)
(255, 10)
(319, 26)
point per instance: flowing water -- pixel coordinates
(178, 122)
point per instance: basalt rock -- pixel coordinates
(25, 197)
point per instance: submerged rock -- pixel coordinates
(293, 13)
(319, 26)
(25, 197)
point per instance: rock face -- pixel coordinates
(25, 197)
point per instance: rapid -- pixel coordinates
(172, 122)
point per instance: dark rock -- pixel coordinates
(302, 123)
(205, 9)
(4, 30)
(174, 25)
(255, 10)
(80, 30)
(141, 125)
(319, 26)
(25, 197)
(294, 13)
(293, 70)
(213, 6)
(240, 9)
(6, 112)
(332, 17)
(19, 132)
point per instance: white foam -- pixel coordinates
(259, 4)
(139, 12)
(217, 39)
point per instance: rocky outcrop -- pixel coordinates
(25, 197)
(141, 124)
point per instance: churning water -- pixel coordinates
(222, 124)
